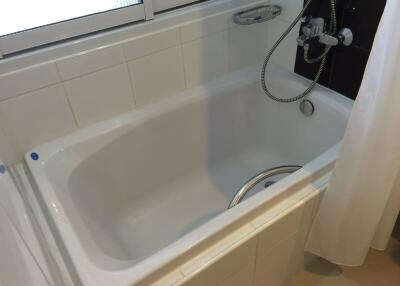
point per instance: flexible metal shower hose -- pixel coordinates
(322, 57)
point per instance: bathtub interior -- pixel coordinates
(136, 189)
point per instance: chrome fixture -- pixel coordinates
(257, 14)
(315, 31)
(258, 179)
(345, 37)
(307, 107)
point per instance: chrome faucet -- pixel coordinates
(314, 31)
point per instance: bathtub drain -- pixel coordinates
(269, 183)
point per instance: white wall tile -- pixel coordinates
(170, 278)
(223, 245)
(206, 59)
(156, 76)
(100, 95)
(283, 227)
(36, 117)
(285, 55)
(248, 45)
(233, 262)
(293, 222)
(8, 154)
(207, 26)
(151, 43)
(203, 278)
(28, 79)
(277, 266)
(18, 267)
(90, 61)
(243, 277)
(290, 8)
(280, 251)
(238, 258)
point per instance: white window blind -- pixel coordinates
(22, 15)
(26, 24)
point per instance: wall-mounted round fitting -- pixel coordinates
(345, 37)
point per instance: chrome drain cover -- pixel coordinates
(307, 107)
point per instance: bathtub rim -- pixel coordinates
(314, 174)
(246, 76)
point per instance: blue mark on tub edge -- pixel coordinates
(2, 169)
(35, 156)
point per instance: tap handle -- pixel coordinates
(306, 19)
(303, 40)
(312, 40)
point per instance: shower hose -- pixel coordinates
(321, 58)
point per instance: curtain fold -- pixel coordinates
(388, 220)
(363, 198)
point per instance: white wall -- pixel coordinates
(50, 99)
(17, 267)
(18, 242)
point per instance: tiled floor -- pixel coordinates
(380, 269)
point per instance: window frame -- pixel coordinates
(60, 31)
(161, 5)
(69, 29)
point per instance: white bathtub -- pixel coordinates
(132, 194)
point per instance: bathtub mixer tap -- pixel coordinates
(314, 31)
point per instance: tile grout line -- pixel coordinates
(255, 261)
(126, 61)
(230, 52)
(255, 233)
(90, 73)
(219, 255)
(185, 76)
(208, 35)
(154, 52)
(30, 91)
(67, 97)
(132, 86)
(61, 80)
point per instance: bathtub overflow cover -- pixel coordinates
(307, 107)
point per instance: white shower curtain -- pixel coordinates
(359, 209)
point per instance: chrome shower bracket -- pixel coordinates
(257, 14)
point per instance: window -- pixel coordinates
(26, 24)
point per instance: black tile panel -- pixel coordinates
(347, 70)
(310, 70)
(362, 17)
(345, 66)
